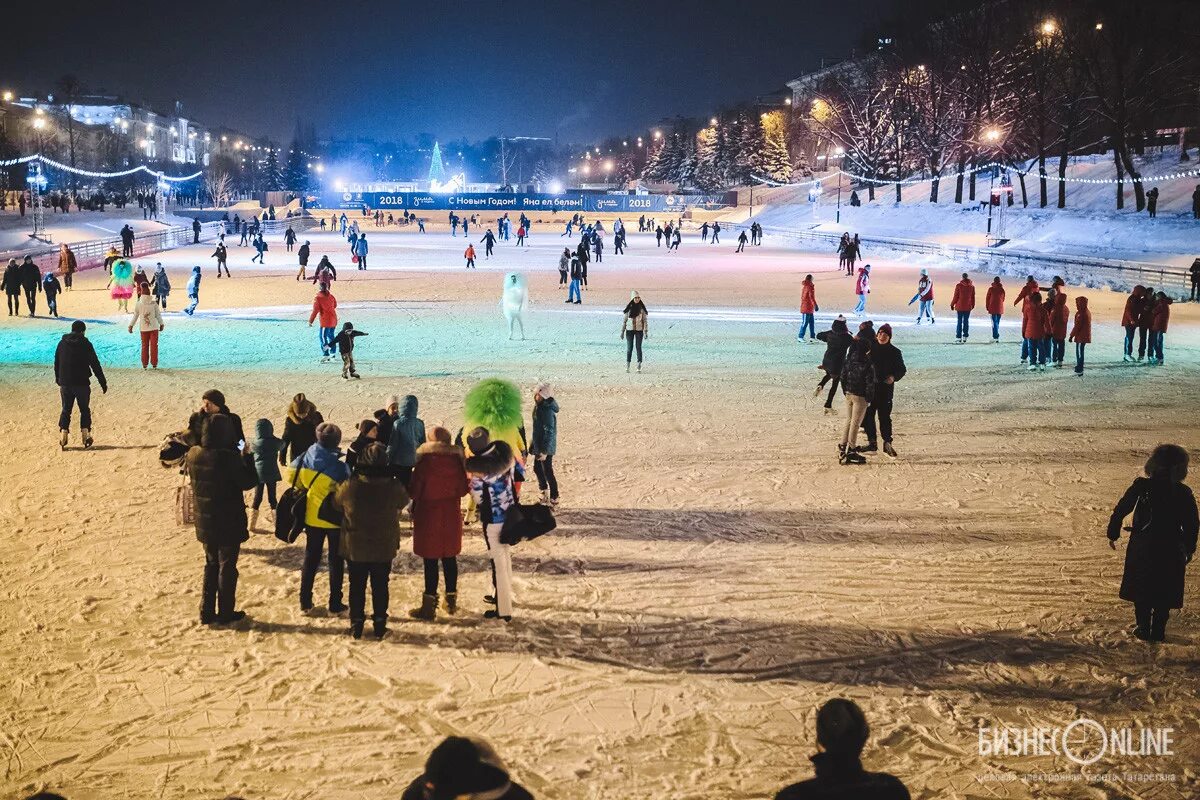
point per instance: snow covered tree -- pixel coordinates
(775, 161)
(708, 174)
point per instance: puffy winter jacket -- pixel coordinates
(219, 475)
(545, 427)
(325, 307)
(994, 301)
(1081, 331)
(146, 315)
(408, 433)
(925, 289)
(862, 284)
(1162, 315)
(964, 296)
(837, 339)
(491, 481)
(371, 517)
(1034, 321)
(1026, 292)
(1133, 306)
(439, 482)
(360, 247)
(267, 449)
(1059, 316)
(75, 362)
(808, 297)
(858, 374)
(320, 471)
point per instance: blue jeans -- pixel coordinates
(1156, 345)
(325, 337)
(963, 327)
(995, 326)
(807, 322)
(1044, 355)
(925, 309)
(862, 304)
(1033, 347)
(573, 295)
(1058, 349)
(195, 298)
(1079, 357)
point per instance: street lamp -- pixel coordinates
(1048, 27)
(993, 136)
(839, 152)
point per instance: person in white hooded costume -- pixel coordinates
(514, 301)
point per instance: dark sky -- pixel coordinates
(390, 70)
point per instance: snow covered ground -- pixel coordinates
(715, 577)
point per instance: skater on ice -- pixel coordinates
(121, 284)
(148, 319)
(858, 385)
(837, 341)
(994, 303)
(635, 327)
(1081, 331)
(862, 288)
(469, 255)
(889, 369)
(515, 301)
(924, 298)
(324, 306)
(75, 363)
(543, 443)
(160, 285)
(962, 303)
(344, 342)
(808, 310)
(51, 288)
(193, 291)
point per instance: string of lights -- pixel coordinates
(93, 174)
(1170, 176)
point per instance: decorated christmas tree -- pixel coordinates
(437, 170)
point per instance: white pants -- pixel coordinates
(501, 555)
(856, 409)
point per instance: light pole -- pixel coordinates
(992, 136)
(839, 152)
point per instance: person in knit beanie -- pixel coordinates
(462, 768)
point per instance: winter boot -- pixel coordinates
(851, 457)
(62, 439)
(889, 450)
(253, 518)
(379, 625)
(428, 609)
(87, 438)
(1158, 625)
(492, 613)
(452, 603)
(356, 627)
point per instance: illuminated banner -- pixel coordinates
(517, 203)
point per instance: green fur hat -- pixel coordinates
(493, 404)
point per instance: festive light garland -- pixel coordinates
(1192, 173)
(91, 174)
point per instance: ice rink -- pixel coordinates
(715, 577)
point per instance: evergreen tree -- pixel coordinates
(750, 147)
(708, 173)
(774, 161)
(437, 170)
(295, 175)
(272, 176)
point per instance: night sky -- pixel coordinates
(391, 70)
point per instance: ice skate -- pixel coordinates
(817, 392)
(1032, 367)
(62, 439)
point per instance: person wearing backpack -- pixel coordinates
(319, 470)
(1162, 539)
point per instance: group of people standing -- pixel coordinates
(354, 500)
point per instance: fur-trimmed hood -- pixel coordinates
(439, 448)
(493, 462)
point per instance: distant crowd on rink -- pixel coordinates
(468, 768)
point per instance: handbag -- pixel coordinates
(293, 505)
(522, 523)
(185, 503)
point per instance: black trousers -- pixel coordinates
(544, 470)
(632, 339)
(217, 597)
(14, 303)
(31, 299)
(881, 406)
(1142, 341)
(314, 545)
(70, 395)
(378, 572)
(1152, 618)
(837, 379)
(258, 494)
(449, 569)
(562, 278)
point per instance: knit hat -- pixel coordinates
(884, 328)
(373, 455)
(544, 389)
(478, 440)
(329, 435)
(214, 396)
(348, 326)
(634, 294)
(462, 767)
(866, 326)
(391, 400)
(841, 727)
(438, 434)
(924, 273)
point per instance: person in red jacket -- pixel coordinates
(963, 302)
(469, 255)
(1060, 315)
(1027, 291)
(438, 483)
(994, 303)
(1081, 331)
(1034, 324)
(808, 308)
(1158, 326)
(1130, 316)
(1145, 320)
(325, 307)
(862, 288)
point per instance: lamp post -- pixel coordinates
(839, 152)
(992, 136)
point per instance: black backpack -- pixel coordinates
(293, 505)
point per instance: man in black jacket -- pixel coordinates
(31, 282)
(889, 368)
(75, 362)
(126, 241)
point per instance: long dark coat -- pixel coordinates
(1162, 540)
(219, 475)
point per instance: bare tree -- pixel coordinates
(219, 187)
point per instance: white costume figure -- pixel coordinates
(514, 301)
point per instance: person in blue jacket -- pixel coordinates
(408, 433)
(193, 291)
(360, 250)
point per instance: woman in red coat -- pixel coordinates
(438, 483)
(1081, 331)
(1158, 327)
(1130, 316)
(808, 308)
(1034, 325)
(1060, 315)
(994, 303)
